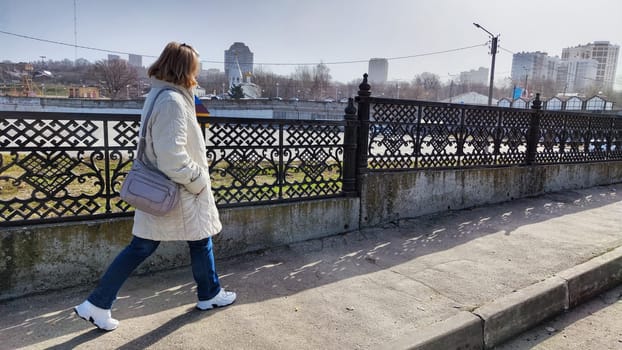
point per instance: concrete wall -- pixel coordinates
(390, 196)
(43, 257)
(69, 105)
(311, 110)
(38, 258)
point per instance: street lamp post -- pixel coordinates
(277, 89)
(525, 91)
(451, 86)
(451, 90)
(493, 52)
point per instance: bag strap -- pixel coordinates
(142, 142)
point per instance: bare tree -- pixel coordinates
(427, 86)
(304, 79)
(115, 76)
(214, 82)
(321, 80)
(267, 80)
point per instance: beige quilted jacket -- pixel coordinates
(176, 146)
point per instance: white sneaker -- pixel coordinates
(101, 318)
(221, 299)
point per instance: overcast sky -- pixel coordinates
(290, 32)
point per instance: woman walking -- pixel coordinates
(176, 146)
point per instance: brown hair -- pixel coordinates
(177, 64)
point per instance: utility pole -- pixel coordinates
(493, 52)
(525, 91)
(75, 33)
(451, 90)
(451, 86)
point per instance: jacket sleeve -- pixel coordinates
(169, 136)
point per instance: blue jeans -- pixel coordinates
(203, 270)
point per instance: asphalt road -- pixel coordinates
(596, 325)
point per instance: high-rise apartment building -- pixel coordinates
(479, 76)
(238, 63)
(534, 65)
(135, 60)
(378, 70)
(576, 74)
(602, 51)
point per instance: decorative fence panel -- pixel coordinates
(416, 134)
(407, 135)
(575, 138)
(58, 165)
(64, 166)
(274, 160)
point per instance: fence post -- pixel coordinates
(363, 133)
(350, 188)
(534, 130)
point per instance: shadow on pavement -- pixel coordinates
(148, 339)
(79, 340)
(285, 271)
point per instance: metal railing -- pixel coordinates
(266, 161)
(63, 166)
(70, 166)
(406, 135)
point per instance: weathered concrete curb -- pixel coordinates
(593, 277)
(461, 331)
(498, 321)
(517, 312)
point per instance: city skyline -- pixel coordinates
(414, 37)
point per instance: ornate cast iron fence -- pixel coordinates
(406, 135)
(63, 166)
(573, 138)
(262, 161)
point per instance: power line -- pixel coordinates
(75, 31)
(67, 44)
(257, 63)
(360, 60)
(506, 50)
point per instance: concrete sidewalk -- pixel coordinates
(456, 279)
